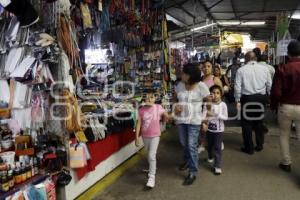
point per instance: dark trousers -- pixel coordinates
(214, 147)
(253, 108)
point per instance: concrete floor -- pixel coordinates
(244, 177)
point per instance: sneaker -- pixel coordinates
(286, 168)
(201, 149)
(218, 171)
(189, 180)
(151, 182)
(222, 146)
(210, 161)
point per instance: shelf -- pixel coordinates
(6, 150)
(34, 180)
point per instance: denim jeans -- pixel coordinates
(188, 137)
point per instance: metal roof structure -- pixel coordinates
(187, 14)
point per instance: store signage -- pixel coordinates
(282, 47)
(204, 41)
(230, 38)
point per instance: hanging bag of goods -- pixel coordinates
(73, 115)
(78, 156)
(68, 41)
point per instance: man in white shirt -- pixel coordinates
(263, 61)
(252, 83)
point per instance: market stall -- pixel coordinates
(71, 79)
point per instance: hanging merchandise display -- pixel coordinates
(72, 75)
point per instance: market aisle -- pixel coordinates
(244, 177)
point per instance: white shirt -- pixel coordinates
(252, 78)
(270, 68)
(216, 122)
(192, 102)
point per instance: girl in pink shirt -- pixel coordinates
(148, 126)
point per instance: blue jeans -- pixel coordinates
(188, 137)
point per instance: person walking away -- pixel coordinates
(188, 101)
(215, 128)
(285, 97)
(231, 73)
(263, 61)
(148, 126)
(252, 84)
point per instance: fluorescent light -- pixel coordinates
(253, 23)
(240, 23)
(296, 15)
(224, 23)
(203, 27)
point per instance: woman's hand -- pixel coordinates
(178, 109)
(204, 127)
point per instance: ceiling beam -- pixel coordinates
(186, 36)
(188, 28)
(264, 6)
(209, 14)
(256, 11)
(175, 20)
(176, 4)
(185, 10)
(214, 5)
(234, 9)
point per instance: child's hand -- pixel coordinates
(210, 114)
(137, 142)
(204, 128)
(178, 109)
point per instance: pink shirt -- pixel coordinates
(151, 116)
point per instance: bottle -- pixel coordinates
(10, 177)
(4, 183)
(23, 173)
(28, 171)
(36, 167)
(17, 175)
(32, 168)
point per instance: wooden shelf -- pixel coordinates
(6, 150)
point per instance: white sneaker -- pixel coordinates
(222, 146)
(151, 182)
(210, 161)
(201, 149)
(218, 171)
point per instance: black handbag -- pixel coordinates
(64, 178)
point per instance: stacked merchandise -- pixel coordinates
(34, 144)
(71, 74)
(123, 56)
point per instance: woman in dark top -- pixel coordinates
(223, 78)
